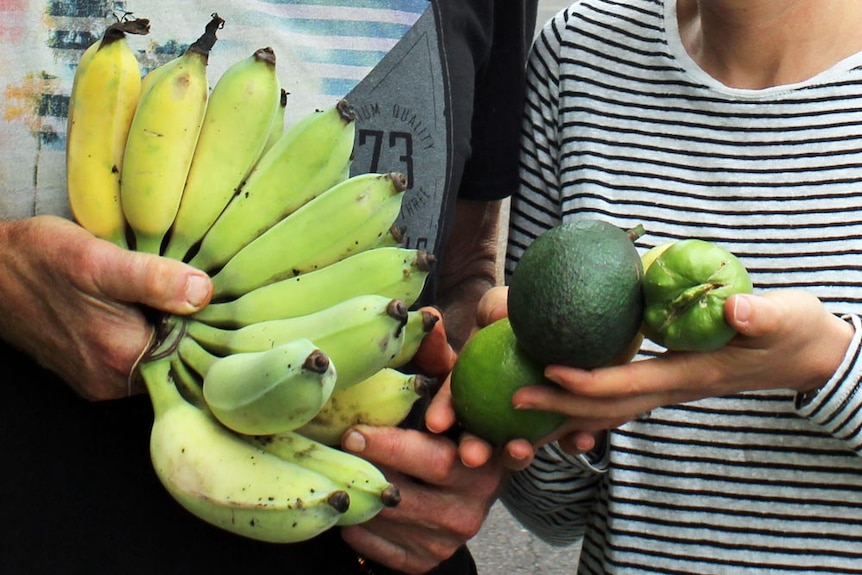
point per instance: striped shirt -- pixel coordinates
(622, 125)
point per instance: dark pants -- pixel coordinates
(80, 496)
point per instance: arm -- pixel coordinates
(469, 266)
(74, 302)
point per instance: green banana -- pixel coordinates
(348, 218)
(392, 272)
(105, 93)
(303, 163)
(189, 383)
(239, 115)
(394, 238)
(418, 324)
(162, 141)
(228, 482)
(276, 129)
(360, 335)
(383, 399)
(367, 486)
(264, 392)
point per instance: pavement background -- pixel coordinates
(503, 546)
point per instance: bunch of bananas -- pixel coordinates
(310, 320)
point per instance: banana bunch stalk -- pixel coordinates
(311, 321)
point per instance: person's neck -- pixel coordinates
(756, 44)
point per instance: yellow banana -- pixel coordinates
(162, 141)
(367, 486)
(265, 392)
(239, 115)
(383, 399)
(348, 218)
(392, 272)
(302, 164)
(105, 93)
(226, 481)
(360, 335)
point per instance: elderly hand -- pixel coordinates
(76, 303)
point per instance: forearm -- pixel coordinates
(469, 266)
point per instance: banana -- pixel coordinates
(105, 93)
(276, 129)
(392, 272)
(394, 238)
(162, 141)
(367, 486)
(188, 382)
(418, 324)
(228, 482)
(303, 163)
(265, 392)
(348, 218)
(383, 399)
(360, 335)
(239, 115)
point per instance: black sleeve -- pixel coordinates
(491, 172)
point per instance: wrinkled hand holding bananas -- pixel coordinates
(310, 322)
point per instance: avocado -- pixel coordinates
(575, 296)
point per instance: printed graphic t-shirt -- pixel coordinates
(438, 89)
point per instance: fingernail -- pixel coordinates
(354, 441)
(197, 290)
(524, 406)
(741, 308)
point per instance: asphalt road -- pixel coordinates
(503, 546)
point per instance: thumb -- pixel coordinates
(161, 283)
(493, 305)
(752, 315)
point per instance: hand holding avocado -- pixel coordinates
(703, 294)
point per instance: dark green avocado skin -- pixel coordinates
(575, 297)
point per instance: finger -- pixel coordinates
(435, 357)
(440, 415)
(586, 412)
(578, 442)
(474, 452)
(373, 547)
(751, 315)
(161, 283)
(432, 458)
(492, 306)
(518, 455)
(663, 376)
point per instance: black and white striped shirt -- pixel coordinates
(622, 125)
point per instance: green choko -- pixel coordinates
(685, 290)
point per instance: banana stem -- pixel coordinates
(195, 356)
(163, 392)
(210, 337)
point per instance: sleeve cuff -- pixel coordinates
(834, 406)
(593, 461)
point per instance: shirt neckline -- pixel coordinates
(691, 68)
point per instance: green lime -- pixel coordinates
(491, 368)
(684, 293)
